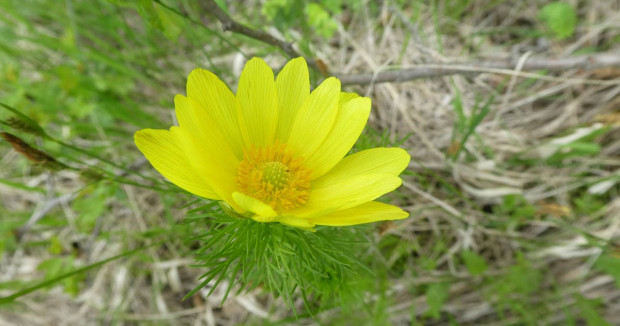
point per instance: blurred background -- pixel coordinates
(513, 187)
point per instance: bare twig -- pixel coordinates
(198, 23)
(42, 210)
(497, 66)
(228, 24)
(505, 66)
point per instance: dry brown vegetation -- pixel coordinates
(513, 193)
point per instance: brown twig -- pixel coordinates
(585, 62)
(502, 66)
(228, 24)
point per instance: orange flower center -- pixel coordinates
(274, 176)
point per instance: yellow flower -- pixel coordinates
(276, 152)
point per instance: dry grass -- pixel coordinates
(148, 289)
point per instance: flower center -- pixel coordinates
(274, 176)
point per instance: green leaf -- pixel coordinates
(320, 20)
(50, 282)
(588, 311)
(523, 277)
(609, 264)
(286, 261)
(476, 265)
(574, 149)
(21, 186)
(516, 207)
(170, 22)
(560, 18)
(579, 148)
(147, 10)
(161, 18)
(436, 295)
(585, 204)
(55, 247)
(91, 205)
(333, 6)
(56, 266)
(283, 13)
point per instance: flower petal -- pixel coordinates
(388, 160)
(296, 222)
(365, 213)
(315, 118)
(264, 212)
(350, 122)
(201, 123)
(259, 103)
(346, 97)
(345, 194)
(167, 157)
(214, 96)
(216, 163)
(293, 87)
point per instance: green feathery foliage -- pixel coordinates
(287, 262)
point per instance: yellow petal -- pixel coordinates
(214, 96)
(365, 213)
(293, 87)
(212, 160)
(264, 212)
(259, 103)
(200, 123)
(315, 119)
(296, 222)
(386, 160)
(350, 122)
(346, 97)
(168, 158)
(347, 193)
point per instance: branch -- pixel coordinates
(506, 66)
(496, 66)
(228, 24)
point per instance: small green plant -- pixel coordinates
(582, 142)
(559, 18)
(609, 264)
(319, 17)
(519, 281)
(436, 296)
(475, 263)
(371, 137)
(78, 78)
(516, 207)
(589, 309)
(464, 125)
(275, 257)
(60, 265)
